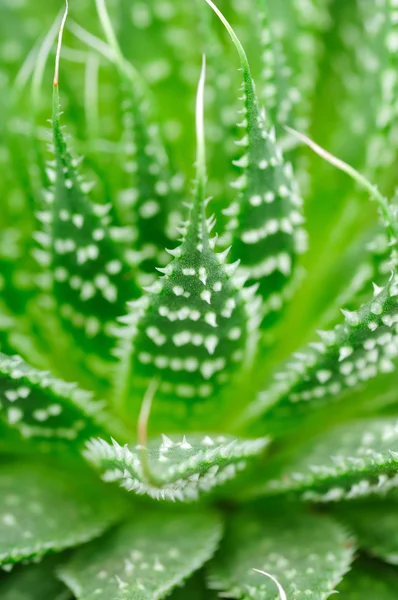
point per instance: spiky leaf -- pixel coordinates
(194, 330)
(47, 509)
(277, 91)
(265, 220)
(91, 278)
(179, 470)
(144, 558)
(306, 554)
(147, 192)
(347, 462)
(353, 353)
(42, 406)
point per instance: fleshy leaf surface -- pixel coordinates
(195, 329)
(90, 277)
(46, 509)
(41, 406)
(350, 461)
(351, 354)
(144, 558)
(180, 470)
(147, 192)
(306, 554)
(277, 91)
(265, 221)
(145, 200)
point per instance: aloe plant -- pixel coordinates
(194, 404)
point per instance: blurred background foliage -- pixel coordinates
(336, 66)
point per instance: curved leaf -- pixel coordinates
(306, 554)
(144, 558)
(265, 220)
(179, 470)
(351, 461)
(45, 509)
(195, 330)
(40, 406)
(89, 275)
(365, 346)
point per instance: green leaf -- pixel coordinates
(179, 470)
(91, 279)
(195, 329)
(345, 358)
(375, 266)
(144, 558)
(300, 29)
(147, 195)
(265, 220)
(41, 406)
(46, 509)
(11, 441)
(382, 145)
(374, 525)
(369, 581)
(34, 582)
(277, 91)
(306, 554)
(350, 461)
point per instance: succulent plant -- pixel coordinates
(185, 411)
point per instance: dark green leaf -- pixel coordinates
(34, 582)
(374, 524)
(369, 581)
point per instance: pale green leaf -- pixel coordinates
(144, 558)
(350, 461)
(47, 509)
(41, 406)
(306, 554)
(196, 329)
(277, 92)
(346, 357)
(90, 277)
(179, 470)
(265, 221)
(147, 185)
